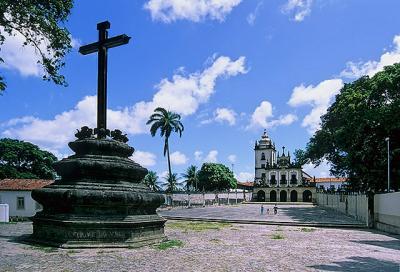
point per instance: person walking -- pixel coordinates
(275, 209)
(262, 209)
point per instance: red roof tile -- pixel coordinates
(246, 183)
(23, 184)
(330, 179)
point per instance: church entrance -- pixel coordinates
(307, 196)
(293, 196)
(272, 196)
(283, 196)
(261, 196)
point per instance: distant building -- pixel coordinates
(330, 183)
(17, 194)
(277, 178)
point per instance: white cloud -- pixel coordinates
(181, 94)
(251, 18)
(169, 11)
(225, 115)
(299, 9)
(355, 70)
(198, 155)
(232, 158)
(262, 115)
(144, 158)
(211, 156)
(322, 171)
(178, 158)
(244, 176)
(318, 97)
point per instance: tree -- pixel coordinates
(353, 132)
(300, 158)
(167, 122)
(151, 181)
(191, 177)
(171, 183)
(216, 176)
(39, 22)
(19, 159)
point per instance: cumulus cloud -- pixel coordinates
(262, 115)
(244, 176)
(181, 94)
(321, 171)
(298, 9)
(25, 59)
(211, 156)
(144, 158)
(232, 158)
(168, 11)
(222, 115)
(318, 97)
(198, 155)
(355, 70)
(178, 158)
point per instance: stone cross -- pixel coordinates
(102, 46)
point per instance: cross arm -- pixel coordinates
(109, 43)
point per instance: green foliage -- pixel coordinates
(300, 157)
(40, 22)
(171, 183)
(353, 132)
(19, 159)
(277, 236)
(197, 226)
(216, 176)
(169, 244)
(151, 181)
(191, 177)
(166, 122)
(307, 230)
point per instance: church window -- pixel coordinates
(262, 156)
(263, 166)
(283, 177)
(263, 176)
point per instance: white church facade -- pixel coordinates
(277, 178)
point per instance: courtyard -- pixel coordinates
(207, 246)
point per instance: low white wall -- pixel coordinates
(199, 198)
(355, 205)
(10, 198)
(387, 212)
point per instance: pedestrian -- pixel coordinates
(267, 210)
(262, 209)
(275, 209)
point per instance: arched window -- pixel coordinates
(263, 156)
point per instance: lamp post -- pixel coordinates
(387, 139)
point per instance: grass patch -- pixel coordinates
(44, 249)
(279, 229)
(7, 223)
(307, 229)
(197, 226)
(71, 251)
(169, 244)
(277, 236)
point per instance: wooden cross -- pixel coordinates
(102, 46)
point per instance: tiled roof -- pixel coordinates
(330, 180)
(23, 184)
(246, 183)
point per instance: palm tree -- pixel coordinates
(171, 182)
(167, 122)
(190, 177)
(151, 181)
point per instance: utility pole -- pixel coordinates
(387, 139)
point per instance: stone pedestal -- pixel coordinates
(99, 201)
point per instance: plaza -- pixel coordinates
(222, 247)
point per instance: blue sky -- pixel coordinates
(230, 68)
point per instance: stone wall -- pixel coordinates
(354, 205)
(387, 212)
(200, 199)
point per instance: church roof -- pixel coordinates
(23, 184)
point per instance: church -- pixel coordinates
(277, 178)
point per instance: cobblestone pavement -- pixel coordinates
(286, 213)
(231, 248)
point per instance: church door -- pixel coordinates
(272, 196)
(293, 196)
(261, 196)
(307, 196)
(283, 196)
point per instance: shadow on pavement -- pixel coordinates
(359, 264)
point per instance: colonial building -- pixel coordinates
(277, 178)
